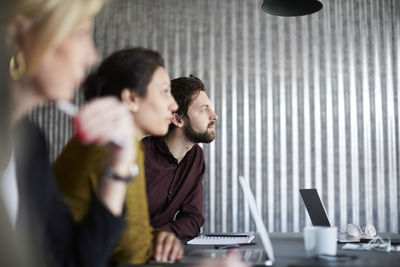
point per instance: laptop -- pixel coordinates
(264, 256)
(318, 215)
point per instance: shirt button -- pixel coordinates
(170, 192)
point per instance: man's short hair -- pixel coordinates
(185, 90)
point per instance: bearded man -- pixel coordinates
(174, 163)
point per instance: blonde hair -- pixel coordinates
(52, 20)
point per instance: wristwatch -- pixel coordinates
(133, 172)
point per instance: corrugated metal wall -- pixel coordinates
(303, 102)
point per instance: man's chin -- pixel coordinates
(210, 138)
(212, 134)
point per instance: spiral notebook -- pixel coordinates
(222, 239)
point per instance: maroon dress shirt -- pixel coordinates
(174, 191)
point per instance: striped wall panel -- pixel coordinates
(311, 101)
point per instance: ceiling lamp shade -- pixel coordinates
(291, 8)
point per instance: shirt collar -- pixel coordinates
(162, 147)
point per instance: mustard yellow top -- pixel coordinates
(77, 171)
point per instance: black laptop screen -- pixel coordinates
(314, 207)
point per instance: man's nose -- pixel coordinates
(214, 116)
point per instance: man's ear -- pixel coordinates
(177, 120)
(18, 36)
(130, 99)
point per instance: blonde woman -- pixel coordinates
(49, 46)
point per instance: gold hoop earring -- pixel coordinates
(17, 66)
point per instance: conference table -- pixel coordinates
(289, 251)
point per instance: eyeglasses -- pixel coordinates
(368, 231)
(377, 243)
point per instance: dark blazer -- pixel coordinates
(43, 214)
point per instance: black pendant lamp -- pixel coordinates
(291, 8)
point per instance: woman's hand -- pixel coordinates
(167, 247)
(106, 121)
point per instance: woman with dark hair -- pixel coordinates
(138, 78)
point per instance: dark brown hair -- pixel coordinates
(185, 90)
(130, 68)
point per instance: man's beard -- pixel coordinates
(195, 137)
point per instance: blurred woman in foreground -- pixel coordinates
(49, 46)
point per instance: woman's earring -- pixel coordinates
(135, 108)
(17, 66)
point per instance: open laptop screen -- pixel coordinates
(262, 230)
(315, 208)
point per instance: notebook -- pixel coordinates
(222, 239)
(255, 256)
(318, 215)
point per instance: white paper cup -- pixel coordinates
(320, 240)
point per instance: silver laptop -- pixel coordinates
(264, 256)
(318, 215)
